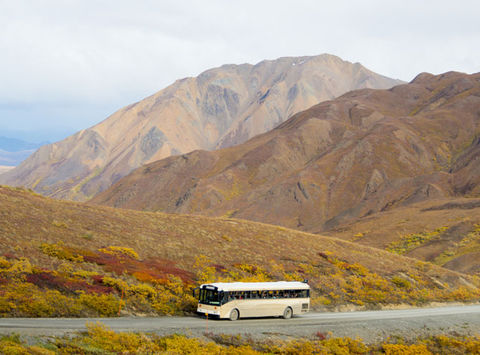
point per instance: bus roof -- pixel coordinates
(258, 286)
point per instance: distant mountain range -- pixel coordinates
(219, 108)
(14, 151)
(364, 152)
(17, 145)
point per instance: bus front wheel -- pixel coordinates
(287, 313)
(234, 315)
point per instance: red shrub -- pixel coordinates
(47, 280)
(74, 286)
(10, 256)
(97, 279)
(219, 268)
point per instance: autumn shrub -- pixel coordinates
(402, 349)
(103, 338)
(4, 263)
(99, 339)
(454, 345)
(412, 241)
(61, 252)
(103, 305)
(122, 251)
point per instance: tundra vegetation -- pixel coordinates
(61, 258)
(98, 339)
(114, 280)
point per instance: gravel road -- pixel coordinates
(372, 326)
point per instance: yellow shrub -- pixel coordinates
(104, 305)
(102, 337)
(401, 349)
(37, 350)
(11, 348)
(21, 266)
(401, 282)
(114, 250)
(204, 272)
(179, 344)
(60, 252)
(120, 285)
(144, 290)
(4, 263)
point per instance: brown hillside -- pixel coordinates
(444, 231)
(364, 152)
(77, 242)
(219, 108)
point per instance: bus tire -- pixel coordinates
(234, 314)
(287, 313)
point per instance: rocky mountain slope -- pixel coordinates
(219, 108)
(364, 152)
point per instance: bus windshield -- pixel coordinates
(209, 297)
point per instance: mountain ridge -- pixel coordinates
(219, 108)
(366, 151)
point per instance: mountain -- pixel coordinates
(364, 152)
(17, 145)
(147, 262)
(219, 108)
(14, 151)
(14, 158)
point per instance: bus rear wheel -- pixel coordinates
(234, 314)
(287, 313)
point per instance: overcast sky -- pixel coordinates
(66, 65)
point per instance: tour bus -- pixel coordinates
(253, 299)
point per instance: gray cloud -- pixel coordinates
(74, 62)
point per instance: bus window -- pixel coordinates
(209, 297)
(223, 297)
(304, 293)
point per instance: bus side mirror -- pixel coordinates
(194, 293)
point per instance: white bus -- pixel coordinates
(253, 299)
